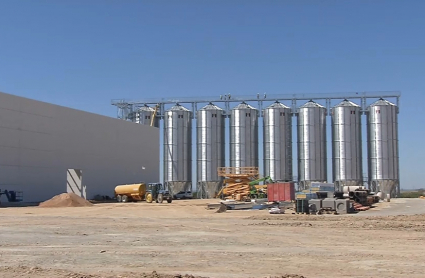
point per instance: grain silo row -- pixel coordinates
(277, 144)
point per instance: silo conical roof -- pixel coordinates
(382, 102)
(244, 105)
(277, 105)
(178, 107)
(311, 104)
(347, 103)
(146, 108)
(211, 106)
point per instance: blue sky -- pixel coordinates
(83, 53)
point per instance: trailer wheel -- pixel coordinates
(149, 198)
(124, 198)
(119, 198)
(169, 200)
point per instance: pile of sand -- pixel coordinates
(66, 200)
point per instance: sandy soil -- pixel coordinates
(133, 240)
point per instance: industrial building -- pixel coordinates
(43, 146)
(312, 155)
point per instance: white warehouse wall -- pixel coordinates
(40, 141)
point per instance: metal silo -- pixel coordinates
(383, 158)
(144, 115)
(210, 129)
(178, 149)
(311, 123)
(347, 145)
(277, 119)
(244, 136)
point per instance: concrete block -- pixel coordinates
(343, 206)
(314, 205)
(329, 203)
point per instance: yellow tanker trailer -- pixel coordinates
(130, 192)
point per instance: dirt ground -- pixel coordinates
(183, 238)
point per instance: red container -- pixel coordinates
(281, 191)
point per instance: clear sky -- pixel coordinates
(82, 54)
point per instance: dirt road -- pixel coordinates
(125, 240)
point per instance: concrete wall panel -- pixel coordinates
(9, 175)
(9, 137)
(10, 118)
(9, 157)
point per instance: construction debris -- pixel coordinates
(276, 211)
(236, 205)
(221, 209)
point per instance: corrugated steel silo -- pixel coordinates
(312, 167)
(383, 156)
(178, 148)
(210, 129)
(244, 136)
(277, 127)
(133, 117)
(347, 145)
(144, 116)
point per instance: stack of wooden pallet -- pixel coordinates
(236, 190)
(236, 181)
